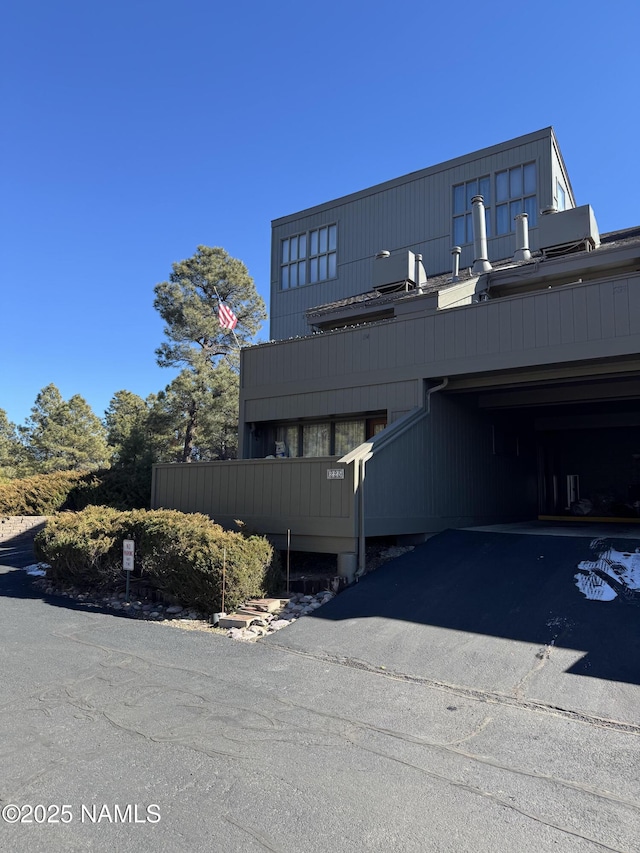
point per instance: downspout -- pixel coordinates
(433, 390)
(362, 561)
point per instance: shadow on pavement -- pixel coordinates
(519, 587)
(16, 583)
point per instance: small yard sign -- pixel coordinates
(128, 553)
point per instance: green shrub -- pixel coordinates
(179, 554)
(43, 494)
(40, 494)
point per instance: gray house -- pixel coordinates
(454, 347)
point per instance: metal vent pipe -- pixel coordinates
(481, 261)
(522, 252)
(456, 252)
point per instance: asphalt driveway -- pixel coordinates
(493, 612)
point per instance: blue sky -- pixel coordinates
(134, 131)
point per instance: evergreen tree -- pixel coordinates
(11, 448)
(63, 436)
(196, 417)
(199, 409)
(127, 422)
(189, 302)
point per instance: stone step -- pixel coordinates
(267, 605)
(245, 610)
(236, 620)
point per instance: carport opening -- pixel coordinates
(587, 471)
(587, 455)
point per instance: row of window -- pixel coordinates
(514, 193)
(308, 258)
(328, 438)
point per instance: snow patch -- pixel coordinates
(37, 570)
(622, 567)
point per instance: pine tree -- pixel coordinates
(189, 302)
(200, 405)
(11, 449)
(127, 422)
(63, 436)
(196, 417)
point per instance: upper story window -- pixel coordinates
(462, 217)
(515, 193)
(561, 197)
(309, 258)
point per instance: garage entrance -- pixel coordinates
(585, 433)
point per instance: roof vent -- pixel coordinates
(567, 231)
(455, 274)
(522, 252)
(481, 261)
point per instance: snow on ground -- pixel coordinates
(623, 567)
(37, 570)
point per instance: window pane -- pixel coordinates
(285, 251)
(561, 197)
(502, 219)
(322, 267)
(332, 265)
(293, 248)
(348, 435)
(314, 243)
(458, 199)
(333, 236)
(502, 186)
(514, 209)
(515, 182)
(302, 246)
(285, 278)
(472, 189)
(323, 239)
(530, 178)
(302, 273)
(485, 189)
(313, 270)
(487, 221)
(289, 435)
(469, 219)
(293, 275)
(458, 231)
(315, 439)
(531, 207)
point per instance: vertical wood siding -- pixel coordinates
(443, 471)
(577, 322)
(268, 495)
(414, 213)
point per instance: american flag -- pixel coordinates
(227, 318)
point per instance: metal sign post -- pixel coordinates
(224, 575)
(128, 556)
(288, 558)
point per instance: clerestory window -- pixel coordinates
(309, 258)
(516, 190)
(462, 217)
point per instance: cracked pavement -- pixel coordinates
(302, 747)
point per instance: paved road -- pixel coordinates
(262, 747)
